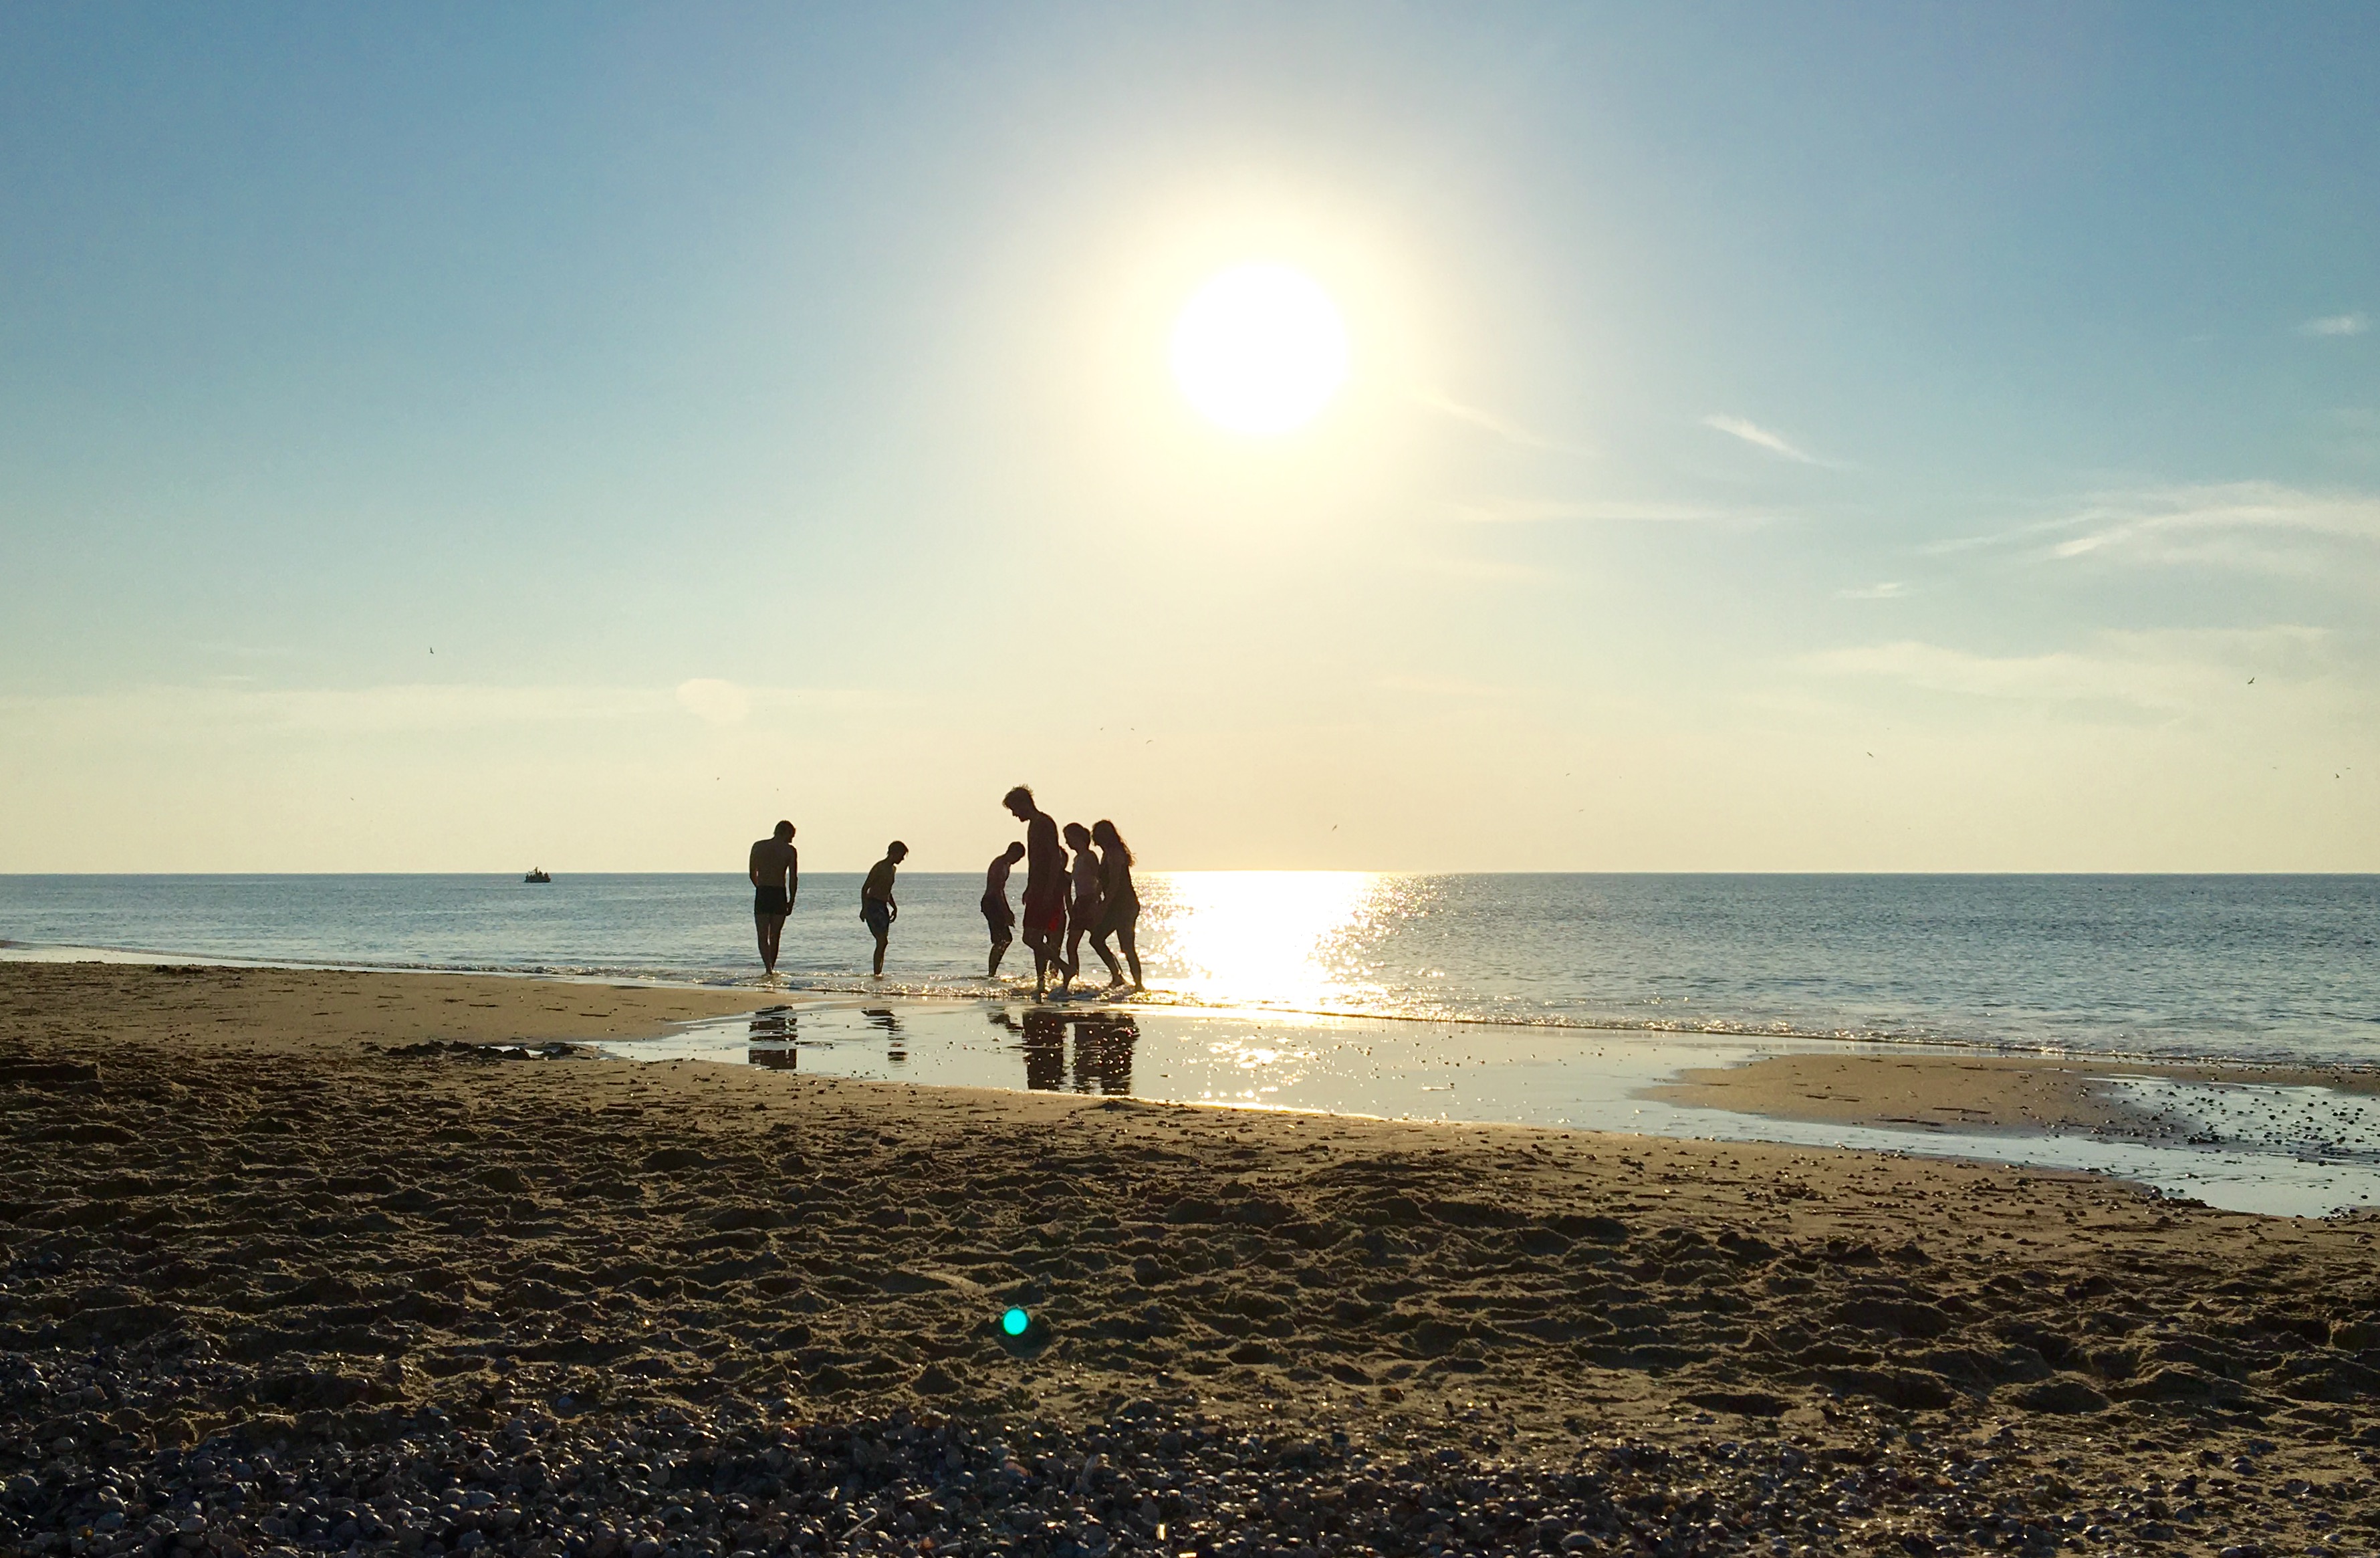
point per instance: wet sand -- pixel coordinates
(1971, 1092)
(313, 1218)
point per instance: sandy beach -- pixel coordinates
(339, 1260)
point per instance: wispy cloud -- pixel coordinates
(2166, 672)
(1887, 590)
(400, 709)
(708, 697)
(1531, 511)
(1444, 686)
(2263, 526)
(2337, 325)
(1754, 433)
(1490, 423)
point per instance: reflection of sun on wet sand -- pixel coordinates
(252, 1210)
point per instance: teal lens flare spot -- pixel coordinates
(1015, 1322)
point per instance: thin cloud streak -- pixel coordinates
(1445, 686)
(2165, 672)
(401, 708)
(1888, 590)
(2228, 525)
(1488, 421)
(2260, 525)
(2337, 325)
(1754, 433)
(717, 701)
(1616, 511)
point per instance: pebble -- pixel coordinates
(1155, 1480)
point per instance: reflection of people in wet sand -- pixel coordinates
(997, 915)
(771, 1035)
(1103, 1047)
(776, 872)
(876, 904)
(1045, 886)
(1103, 1054)
(1119, 904)
(884, 1017)
(1045, 1051)
(1085, 911)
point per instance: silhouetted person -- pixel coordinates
(876, 904)
(997, 915)
(1045, 886)
(776, 872)
(1119, 904)
(1083, 912)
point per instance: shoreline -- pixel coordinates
(2361, 1074)
(2264, 1138)
(242, 1224)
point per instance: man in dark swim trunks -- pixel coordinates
(776, 872)
(1045, 887)
(876, 906)
(997, 915)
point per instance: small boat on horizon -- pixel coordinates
(536, 875)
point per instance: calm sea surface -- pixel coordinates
(2256, 967)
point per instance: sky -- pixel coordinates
(1811, 438)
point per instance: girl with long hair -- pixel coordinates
(1119, 904)
(1083, 916)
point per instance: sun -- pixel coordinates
(1259, 349)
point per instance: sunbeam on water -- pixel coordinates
(1273, 938)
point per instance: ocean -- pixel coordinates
(2246, 967)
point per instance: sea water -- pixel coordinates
(2247, 967)
(1540, 1000)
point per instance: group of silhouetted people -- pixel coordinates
(1065, 901)
(1093, 898)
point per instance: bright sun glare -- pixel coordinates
(1259, 349)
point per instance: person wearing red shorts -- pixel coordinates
(1044, 926)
